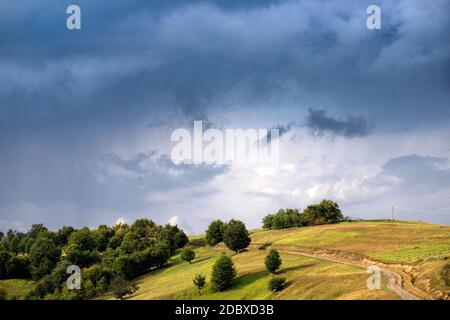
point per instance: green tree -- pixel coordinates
(18, 267)
(273, 261)
(81, 258)
(103, 234)
(223, 273)
(62, 235)
(326, 211)
(214, 234)
(199, 282)
(267, 221)
(187, 254)
(236, 236)
(43, 257)
(84, 239)
(5, 256)
(121, 287)
(181, 239)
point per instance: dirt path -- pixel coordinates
(394, 280)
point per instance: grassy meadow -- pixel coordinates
(425, 246)
(307, 278)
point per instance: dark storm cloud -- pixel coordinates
(69, 97)
(319, 123)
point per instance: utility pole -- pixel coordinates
(392, 212)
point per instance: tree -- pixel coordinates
(84, 238)
(273, 261)
(326, 211)
(236, 236)
(81, 258)
(121, 287)
(199, 282)
(214, 234)
(187, 254)
(181, 239)
(43, 257)
(62, 235)
(284, 218)
(5, 256)
(223, 273)
(267, 221)
(18, 267)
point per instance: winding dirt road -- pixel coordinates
(394, 280)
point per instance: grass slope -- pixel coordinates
(424, 246)
(307, 278)
(17, 288)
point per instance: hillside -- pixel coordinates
(335, 268)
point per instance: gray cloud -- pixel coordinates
(68, 100)
(319, 123)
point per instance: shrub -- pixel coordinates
(236, 236)
(273, 261)
(276, 283)
(199, 282)
(121, 287)
(223, 273)
(187, 254)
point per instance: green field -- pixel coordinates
(424, 246)
(17, 288)
(307, 278)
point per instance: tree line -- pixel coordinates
(107, 256)
(327, 211)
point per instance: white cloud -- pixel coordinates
(174, 221)
(120, 221)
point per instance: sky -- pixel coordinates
(86, 115)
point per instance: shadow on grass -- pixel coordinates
(200, 260)
(201, 242)
(299, 267)
(248, 279)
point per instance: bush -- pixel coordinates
(273, 261)
(214, 234)
(276, 283)
(223, 273)
(121, 287)
(199, 282)
(187, 254)
(236, 236)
